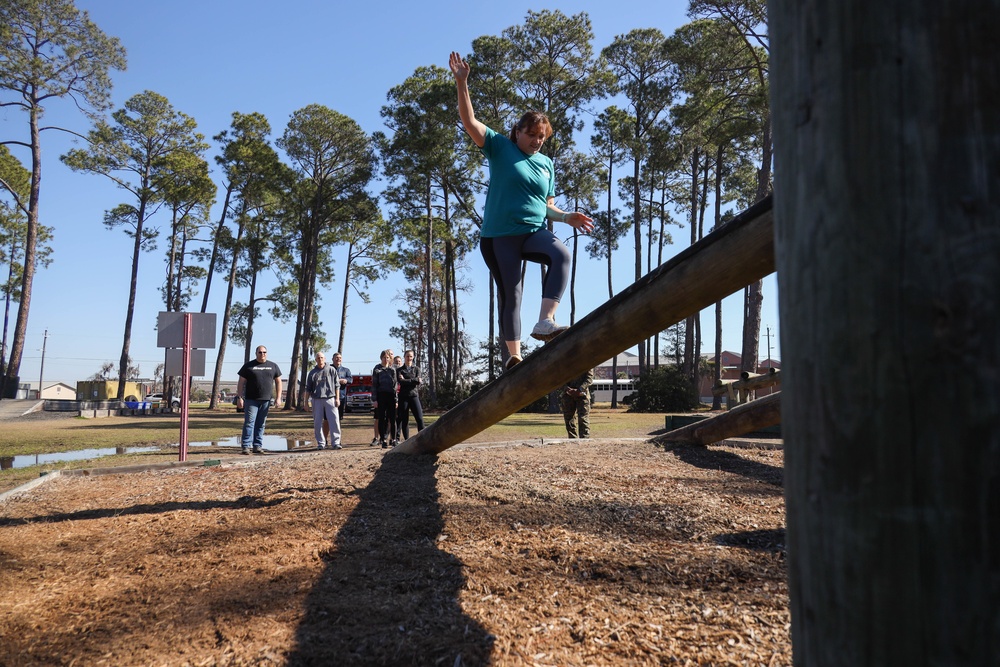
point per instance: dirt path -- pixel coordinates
(597, 553)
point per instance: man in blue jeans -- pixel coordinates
(259, 385)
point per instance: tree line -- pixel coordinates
(679, 123)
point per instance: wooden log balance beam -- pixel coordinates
(743, 419)
(726, 260)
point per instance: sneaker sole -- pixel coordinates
(547, 337)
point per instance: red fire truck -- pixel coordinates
(359, 394)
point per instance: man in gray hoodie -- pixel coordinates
(323, 386)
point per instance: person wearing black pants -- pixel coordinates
(409, 399)
(397, 363)
(519, 206)
(384, 392)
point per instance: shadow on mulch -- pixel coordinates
(243, 502)
(388, 594)
(715, 459)
(755, 540)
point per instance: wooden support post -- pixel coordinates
(752, 416)
(887, 217)
(748, 383)
(736, 254)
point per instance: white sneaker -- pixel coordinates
(546, 330)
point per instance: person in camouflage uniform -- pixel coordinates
(576, 405)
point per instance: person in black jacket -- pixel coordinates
(397, 363)
(409, 399)
(384, 399)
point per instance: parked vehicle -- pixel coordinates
(158, 398)
(359, 394)
(600, 390)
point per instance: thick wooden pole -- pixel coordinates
(745, 385)
(741, 420)
(739, 252)
(887, 212)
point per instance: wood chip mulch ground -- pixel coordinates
(589, 553)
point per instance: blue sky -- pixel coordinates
(213, 57)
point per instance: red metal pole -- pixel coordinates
(185, 385)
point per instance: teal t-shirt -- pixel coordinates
(520, 184)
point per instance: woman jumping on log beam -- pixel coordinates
(521, 198)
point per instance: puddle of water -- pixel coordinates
(272, 443)
(7, 462)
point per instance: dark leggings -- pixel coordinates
(503, 255)
(409, 404)
(385, 413)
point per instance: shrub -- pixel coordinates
(540, 405)
(663, 389)
(451, 394)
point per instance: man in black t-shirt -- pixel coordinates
(259, 386)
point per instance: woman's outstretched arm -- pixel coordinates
(473, 127)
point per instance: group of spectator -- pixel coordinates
(395, 383)
(394, 394)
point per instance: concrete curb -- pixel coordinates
(34, 408)
(279, 456)
(145, 467)
(28, 486)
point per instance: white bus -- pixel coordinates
(600, 390)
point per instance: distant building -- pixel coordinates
(731, 363)
(227, 388)
(52, 391)
(628, 366)
(59, 391)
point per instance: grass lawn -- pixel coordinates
(29, 436)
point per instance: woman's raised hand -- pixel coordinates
(580, 221)
(459, 67)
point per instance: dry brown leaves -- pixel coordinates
(599, 553)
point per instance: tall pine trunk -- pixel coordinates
(215, 248)
(717, 371)
(133, 285)
(226, 316)
(637, 226)
(611, 287)
(432, 378)
(30, 250)
(348, 270)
